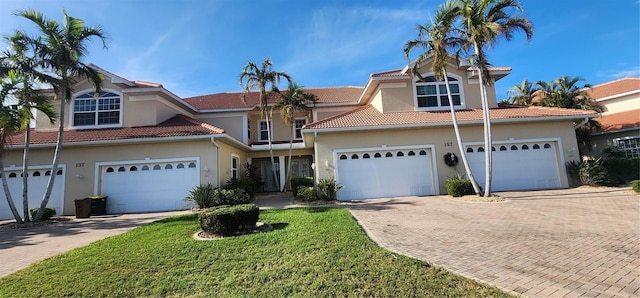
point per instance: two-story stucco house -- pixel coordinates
(145, 147)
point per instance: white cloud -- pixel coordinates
(632, 71)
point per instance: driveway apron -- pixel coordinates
(554, 243)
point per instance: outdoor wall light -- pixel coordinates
(79, 177)
(313, 166)
(326, 163)
(206, 170)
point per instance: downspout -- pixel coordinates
(213, 141)
(582, 123)
(315, 153)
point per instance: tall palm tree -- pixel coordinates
(60, 48)
(27, 97)
(292, 102)
(260, 77)
(438, 40)
(483, 23)
(522, 94)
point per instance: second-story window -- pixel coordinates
(91, 110)
(262, 129)
(431, 93)
(299, 124)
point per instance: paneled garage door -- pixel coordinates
(518, 166)
(384, 174)
(147, 187)
(38, 179)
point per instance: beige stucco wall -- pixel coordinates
(621, 104)
(225, 154)
(281, 132)
(232, 123)
(82, 161)
(443, 140)
(604, 141)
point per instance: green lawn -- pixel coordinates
(310, 252)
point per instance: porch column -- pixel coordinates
(282, 173)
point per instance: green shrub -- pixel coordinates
(327, 189)
(202, 195)
(622, 170)
(307, 194)
(296, 182)
(231, 197)
(248, 185)
(459, 186)
(588, 172)
(635, 185)
(229, 220)
(48, 213)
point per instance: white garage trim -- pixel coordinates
(430, 149)
(557, 147)
(56, 200)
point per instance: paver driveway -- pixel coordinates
(558, 243)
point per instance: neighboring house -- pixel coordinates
(620, 121)
(146, 148)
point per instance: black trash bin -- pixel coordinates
(98, 205)
(83, 208)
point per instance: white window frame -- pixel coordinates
(298, 130)
(629, 152)
(235, 174)
(440, 107)
(260, 139)
(96, 111)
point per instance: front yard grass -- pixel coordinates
(310, 252)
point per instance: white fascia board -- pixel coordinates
(438, 124)
(339, 104)
(120, 142)
(278, 146)
(220, 115)
(231, 140)
(373, 82)
(225, 110)
(163, 91)
(615, 131)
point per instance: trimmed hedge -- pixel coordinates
(297, 182)
(635, 185)
(457, 187)
(230, 220)
(248, 185)
(307, 194)
(621, 170)
(48, 213)
(236, 196)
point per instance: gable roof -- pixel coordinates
(233, 100)
(368, 116)
(612, 88)
(178, 126)
(619, 121)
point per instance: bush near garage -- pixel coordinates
(207, 196)
(635, 185)
(48, 213)
(307, 194)
(202, 195)
(459, 186)
(297, 182)
(328, 189)
(248, 185)
(590, 172)
(621, 170)
(230, 220)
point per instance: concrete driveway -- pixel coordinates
(21, 247)
(557, 243)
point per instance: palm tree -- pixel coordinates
(484, 22)
(27, 97)
(260, 77)
(437, 40)
(60, 49)
(522, 94)
(12, 119)
(292, 102)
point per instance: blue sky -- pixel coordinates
(199, 47)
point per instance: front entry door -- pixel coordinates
(267, 176)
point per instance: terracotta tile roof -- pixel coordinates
(619, 121)
(232, 100)
(369, 116)
(177, 126)
(143, 84)
(620, 86)
(390, 73)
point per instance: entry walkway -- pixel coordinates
(557, 243)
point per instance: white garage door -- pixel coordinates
(149, 186)
(384, 174)
(38, 179)
(518, 166)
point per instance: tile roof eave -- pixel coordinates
(616, 131)
(120, 141)
(439, 124)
